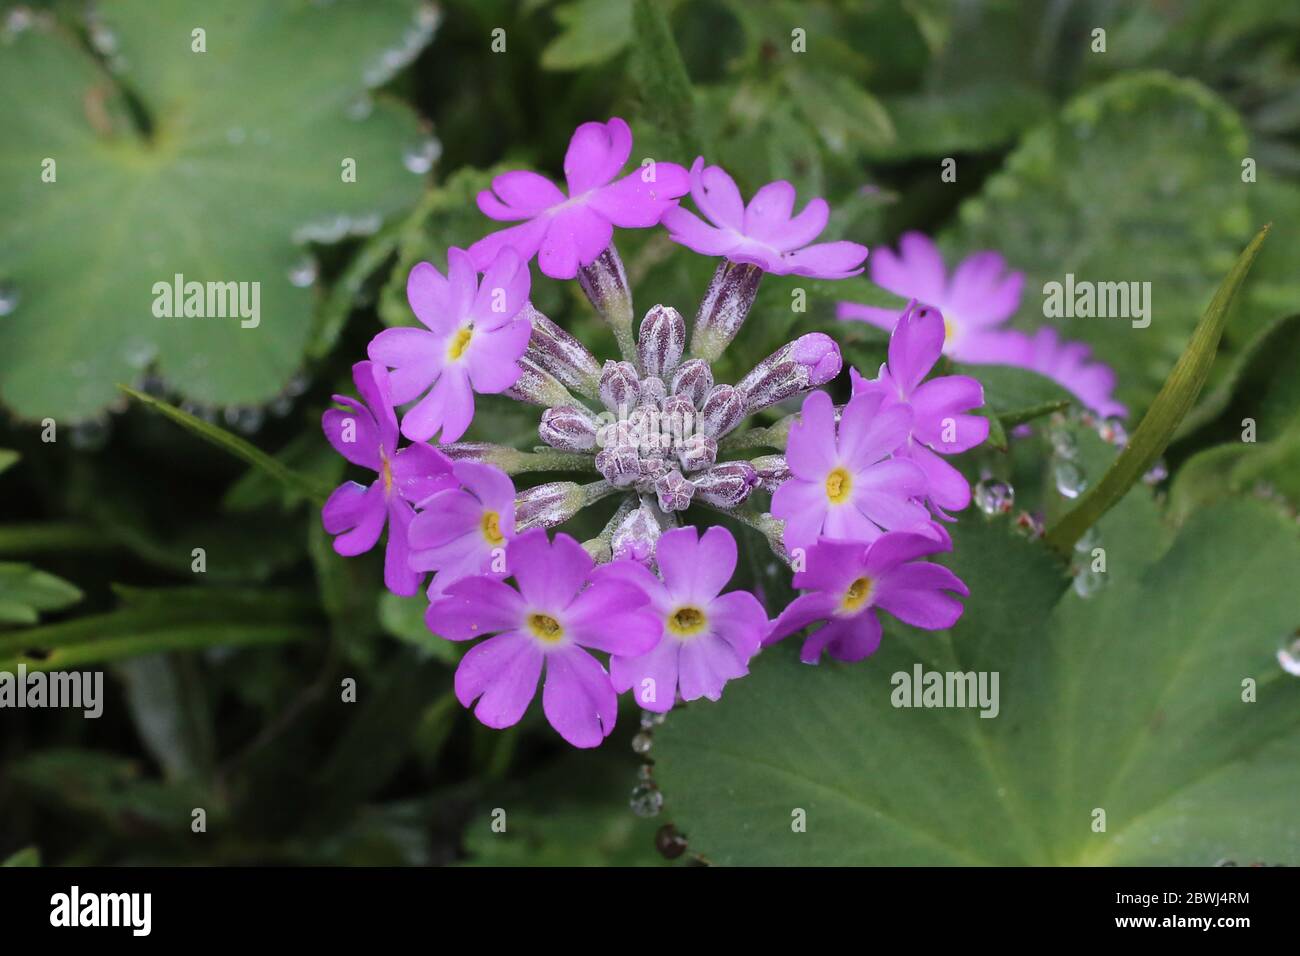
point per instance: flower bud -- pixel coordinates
(619, 386)
(721, 411)
(674, 491)
(807, 362)
(661, 341)
(620, 465)
(568, 428)
(548, 505)
(635, 536)
(726, 485)
(536, 386)
(556, 351)
(653, 390)
(678, 418)
(697, 452)
(772, 470)
(605, 283)
(725, 306)
(693, 379)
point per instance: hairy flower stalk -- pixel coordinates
(605, 283)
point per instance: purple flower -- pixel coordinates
(980, 296)
(472, 341)
(764, 233)
(1067, 364)
(567, 232)
(708, 637)
(366, 435)
(844, 485)
(939, 425)
(463, 531)
(552, 616)
(848, 581)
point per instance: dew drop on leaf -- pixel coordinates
(647, 800)
(1288, 655)
(1070, 481)
(994, 497)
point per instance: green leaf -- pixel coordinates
(1138, 180)
(967, 121)
(664, 90)
(403, 618)
(8, 458)
(209, 165)
(591, 32)
(150, 621)
(1130, 701)
(844, 115)
(25, 592)
(28, 856)
(1157, 427)
(300, 484)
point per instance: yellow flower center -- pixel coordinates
(838, 485)
(858, 594)
(459, 343)
(491, 526)
(686, 621)
(949, 330)
(545, 628)
(386, 470)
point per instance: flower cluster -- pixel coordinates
(852, 497)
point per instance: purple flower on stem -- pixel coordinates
(552, 616)
(848, 581)
(763, 233)
(464, 531)
(844, 484)
(568, 232)
(708, 637)
(472, 341)
(978, 298)
(366, 435)
(939, 423)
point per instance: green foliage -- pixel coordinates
(1130, 701)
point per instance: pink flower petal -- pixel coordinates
(476, 606)
(501, 674)
(597, 151)
(578, 698)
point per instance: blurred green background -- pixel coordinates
(224, 688)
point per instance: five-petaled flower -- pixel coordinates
(472, 341)
(940, 423)
(708, 637)
(847, 581)
(763, 233)
(366, 435)
(551, 617)
(844, 484)
(569, 232)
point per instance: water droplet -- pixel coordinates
(139, 352)
(1226, 863)
(246, 420)
(1088, 540)
(420, 157)
(1088, 582)
(642, 742)
(1288, 656)
(1113, 430)
(1070, 481)
(281, 406)
(994, 497)
(296, 385)
(18, 19)
(1029, 525)
(650, 718)
(669, 842)
(9, 298)
(303, 272)
(360, 108)
(1063, 443)
(1158, 473)
(90, 435)
(103, 39)
(647, 800)
(236, 135)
